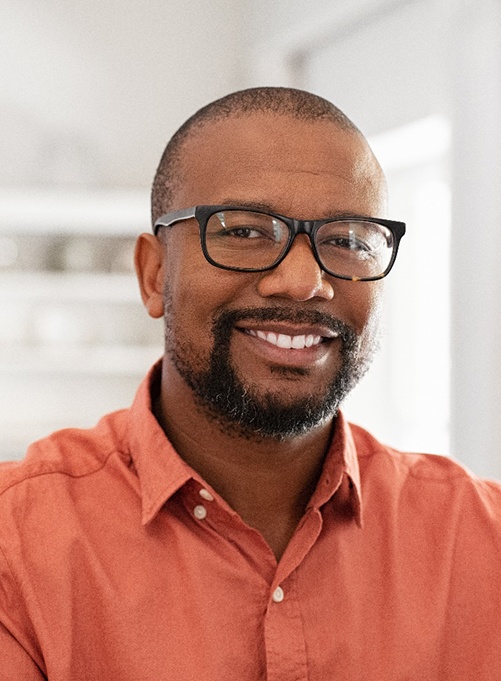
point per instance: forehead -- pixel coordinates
(289, 164)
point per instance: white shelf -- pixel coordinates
(69, 286)
(74, 343)
(116, 212)
(67, 360)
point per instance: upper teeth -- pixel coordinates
(282, 340)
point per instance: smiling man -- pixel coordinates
(257, 362)
(231, 524)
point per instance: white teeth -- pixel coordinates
(298, 342)
(282, 340)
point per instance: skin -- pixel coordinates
(300, 169)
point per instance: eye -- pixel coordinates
(242, 232)
(236, 225)
(350, 243)
(363, 240)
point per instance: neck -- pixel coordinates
(268, 482)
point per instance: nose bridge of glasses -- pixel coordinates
(303, 227)
(306, 227)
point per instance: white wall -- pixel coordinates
(382, 61)
(475, 77)
(92, 90)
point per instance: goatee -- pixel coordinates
(239, 407)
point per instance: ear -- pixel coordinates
(149, 264)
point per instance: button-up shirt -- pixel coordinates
(118, 561)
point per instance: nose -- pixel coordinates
(298, 277)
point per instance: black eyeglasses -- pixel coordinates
(248, 240)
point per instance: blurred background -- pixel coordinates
(90, 93)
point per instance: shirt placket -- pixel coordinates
(284, 639)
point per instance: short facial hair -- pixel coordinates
(240, 408)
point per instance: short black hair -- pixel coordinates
(283, 101)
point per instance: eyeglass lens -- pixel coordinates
(249, 240)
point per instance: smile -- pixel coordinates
(282, 340)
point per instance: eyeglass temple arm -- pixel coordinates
(170, 219)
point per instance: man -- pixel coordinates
(231, 524)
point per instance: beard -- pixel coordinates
(240, 408)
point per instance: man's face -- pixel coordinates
(224, 329)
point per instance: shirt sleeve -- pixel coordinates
(17, 638)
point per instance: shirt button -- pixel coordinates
(205, 494)
(200, 512)
(278, 595)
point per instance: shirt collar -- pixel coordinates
(162, 472)
(341, 474)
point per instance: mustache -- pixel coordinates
(224, 322)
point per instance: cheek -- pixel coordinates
(363, 302)
(196, 291)
(185, 276)
(373, 315)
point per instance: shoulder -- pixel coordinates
(427, 481)
(70, 453)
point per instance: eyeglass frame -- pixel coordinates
(203, 213)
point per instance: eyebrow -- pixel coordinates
(256, 205)
(268, 208)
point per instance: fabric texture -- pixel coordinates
(117, 561)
